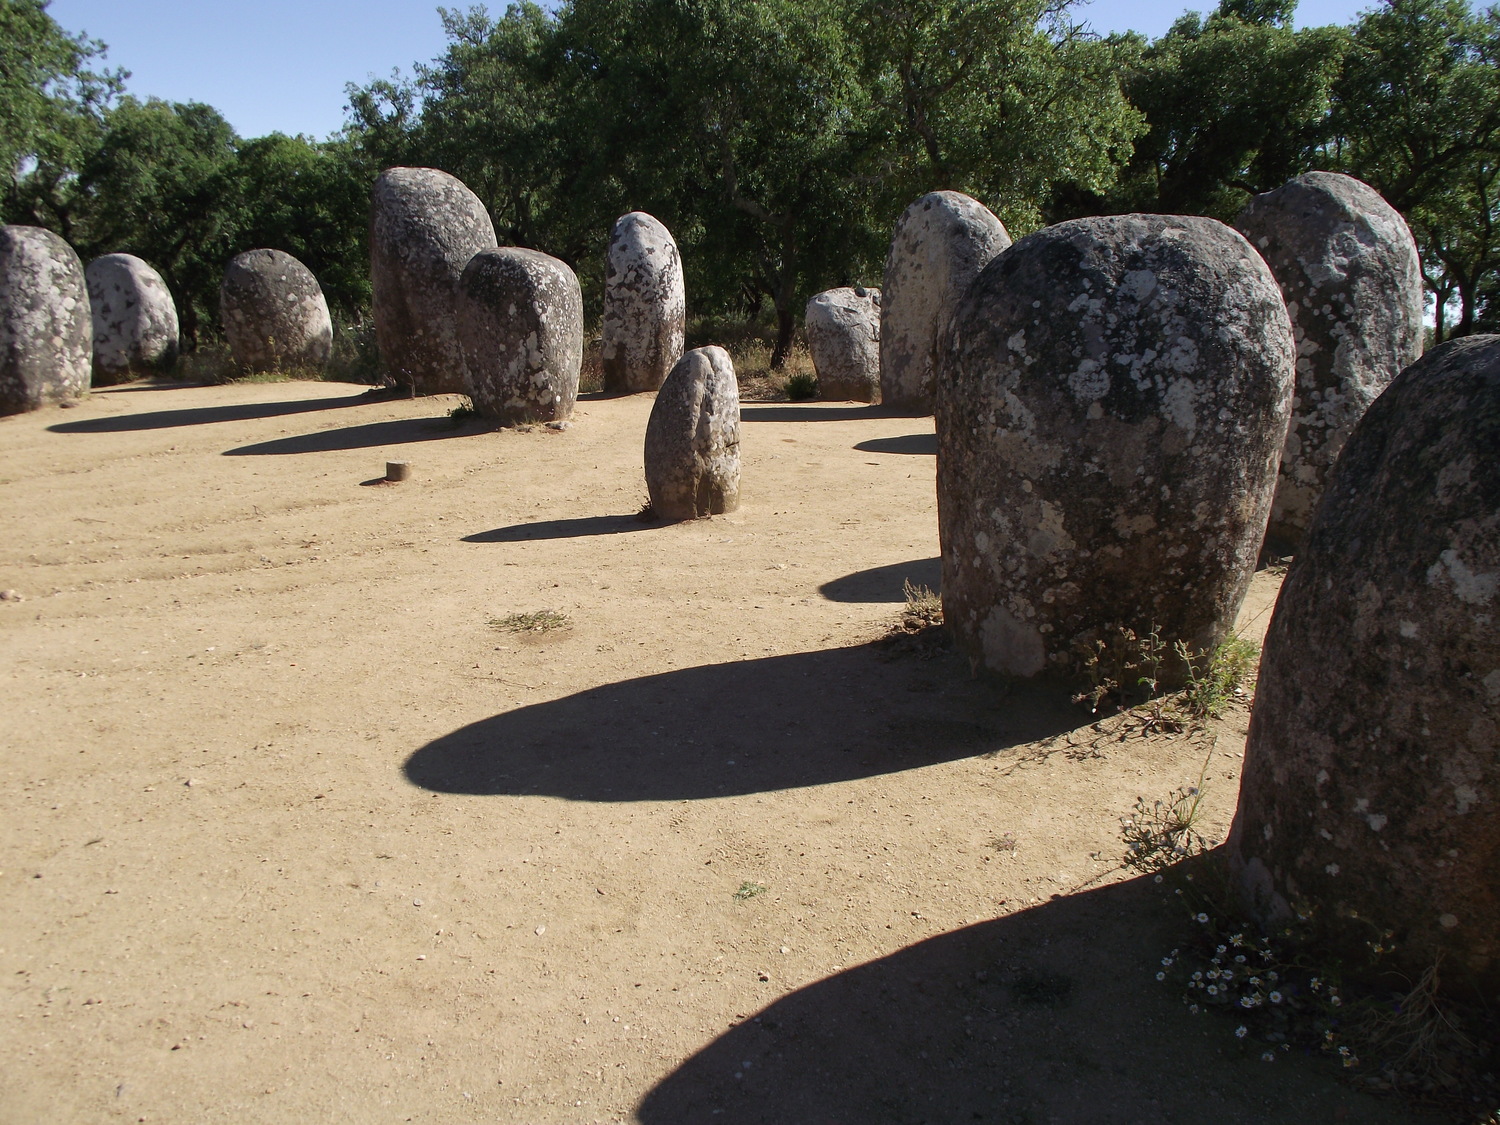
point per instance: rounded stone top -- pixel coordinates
(255, 269)
(274, 312)
(433, 207)
(45, 322)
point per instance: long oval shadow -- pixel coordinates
(811, 413)
(751, 726)
(1048, 1014)
(562, 529)
(884, 583)
(918, 444)
(201, 415)
(398, 431)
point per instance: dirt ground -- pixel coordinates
(292, 831)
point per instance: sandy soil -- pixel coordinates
(290, 831)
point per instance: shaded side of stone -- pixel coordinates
(940, 244)
(520, 320)
(45, 328)
(273, 312)
(843, 337)
(1349, 271)
(645, 306)
(1371, 788)
(134, 319)
(1111, 405)
(693, 439)
(425, 225)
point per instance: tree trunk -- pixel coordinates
(786, 326)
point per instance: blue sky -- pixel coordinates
(281, 65)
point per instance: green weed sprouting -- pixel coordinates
(802, 387)
(749, 890)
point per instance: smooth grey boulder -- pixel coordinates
(273, 312)
(1348, 269)
(45, 330)
(843, 337)
(425, 226)
(1111, 404)
(693, 439)
(940, 244)
(134, 319)
(645, 307)
(520, 321)
(1371, 785)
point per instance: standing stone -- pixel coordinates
(1348, 268)
(843, 335)
(693, 439)
(135, 319)
(44, 320)
(1371, 788)
(1111, 405)
(940, 244)
(644, 305)
(520, 320)
(273, 313)
(425, 225)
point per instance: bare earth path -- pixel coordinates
(290, 832)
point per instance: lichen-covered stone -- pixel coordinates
(940, 244)
(45, 331)
(1348, 269)
(1111, 404)
(1371, 788)
(843, 337)
(645, 308)
(520, 320)
(425, 225)
(693, 438)
(273, 312)
(134, 317)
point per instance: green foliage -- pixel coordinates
(802, 387)
(1214, 678)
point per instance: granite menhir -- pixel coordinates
(940, 244)
(45, 330)
(520, 320)
(843, 338)
(274, 313)
(1348, 269)
(693, 439)
(1111, 404)
(135, 319)
(425, 225)
(1371, 787)
(645, 306)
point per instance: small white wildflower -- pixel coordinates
(1274, 997)
(1213, 974)
(1334, 1000)
(1202, 917)
(1193, 1008)
(1273, 976)
(1213, 990)
(1157, 879)
(1269, 1056)
(1166, 962)
(1222, 949)
(1255, 981)
(1246, 1002)
(1241, 1031)
(1239, 958)
(1197, 976)
(1161, 976)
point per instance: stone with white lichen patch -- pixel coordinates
(1371, 787)
(645, 305)
(693, 439)
(45, 329)
(274, 313)
(843, 338)
(134, 319)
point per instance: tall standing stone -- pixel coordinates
(843, 337)
(940, 244)
(693, 438)
(425, 225)
(134, 317)
(274, 313)
(1111, 405)
(1348, 268)
(1371, 787)
(520, 320)
(45, 330)
(645, 307)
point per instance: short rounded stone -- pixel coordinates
(940, 244)
(134, 319)
(46, 334)
(645, 305)
(1111, 402)
(693, 439)
(1370, 797)
(520, 321)
(425, 227)
(843, 338)
(274, 314)
(1348, 269)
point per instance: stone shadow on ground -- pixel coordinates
(751, 726)
(1051, 1014)
(884, 583)
(397, 431)
(199, 415)
(563, 529)
(811, 412)
(917, 444)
